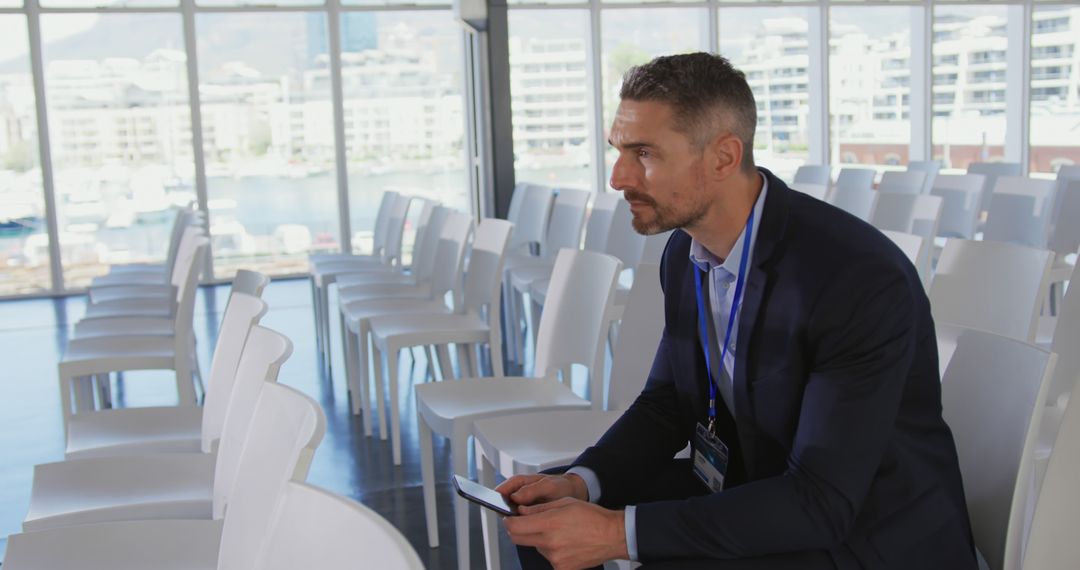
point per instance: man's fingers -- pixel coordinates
(535, 491)
(542, 507)
(516, 482)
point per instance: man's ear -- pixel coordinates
(725, 155)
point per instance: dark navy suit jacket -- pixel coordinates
(838, 442)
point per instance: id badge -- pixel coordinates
(710, 459)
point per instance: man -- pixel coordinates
(798, 359)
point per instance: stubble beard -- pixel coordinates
(664, 219)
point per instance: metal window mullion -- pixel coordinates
(818, 83)
(1018, 84)
(187, 10)
(333, 24)
(920, 85)
(713, 27)
(596, 66)
(48, 184)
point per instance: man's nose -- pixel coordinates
(620, 175)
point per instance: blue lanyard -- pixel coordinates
(703, 318)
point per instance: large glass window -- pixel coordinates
(404, 114)
(969, 84)
(268, 138)
(24, 240)
(120, 130)
(869, 84)
(551, 97)
(770, 46)
(634, 36)
(1055, 87)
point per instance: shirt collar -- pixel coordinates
(706, 261)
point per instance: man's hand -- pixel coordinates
(533, 489)
(570, 533)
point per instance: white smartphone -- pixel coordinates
(483, 496)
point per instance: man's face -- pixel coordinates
(659, 170)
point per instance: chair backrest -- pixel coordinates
(908, 182)
(516, 201)
(930, 168)
(184, 217)
(531, 219)
(1065, 232)
(395, 229)
(961, 195)
(1066, 341)
(184, 252)
(995, 287)
(814, 174)
(1051, 542)
(249, 283)
(599, 222)
(286, 428)
(242, 313)
(260, 361)
(567, 219)
(483, 277)
(382, 219)
(992, 397)
(819, 191)
(859, 203)
(856, 178)
(991, 170)
(916, 214)
(418, 216)
(423, 262)
(654, 247)
(314, 528)
(450, 257)
(622, 240)
(575, 320)
(184, 309)
(639, 336)
(1020, 210)
(910, 244)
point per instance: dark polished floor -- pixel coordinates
(33, 334)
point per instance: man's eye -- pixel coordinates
(642, 153)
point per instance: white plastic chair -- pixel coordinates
(564, 230)
(855, 179)
(127, 431)
(285, 419)
(530, 210)
(819, 191)
(813, 174)
(152, 272)
(466, 326)
(930, 168)
(380, 300)
(992, 170)
(146, 298)
(1064, 231)
(314, 528)
(1051, 542)
(860, 203)
(166, 485)
(911, 245)
(1020, 211)
(913, 214)
(995, 287)
(907, 182)
(961, 196)
(992, 397)
(98, 356)
(571, 331)
(532, 442)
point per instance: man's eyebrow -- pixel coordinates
(629, 144)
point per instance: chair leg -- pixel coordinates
(380, 406)
(495, 350)
(392, 356)
(489, 521)
(197, 370)
(315, 309)
(513, 323)
(444, 362)
(185, 385)
(427, 474)
(460, 453)
(474, 363)
(84, 393)
(327, 348)
(464, 366)
(349, 348)
(103, 384)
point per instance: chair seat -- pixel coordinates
(373, 276)
(521, 277)
(521, 260)
(105, 293)
(444, 403)
(132, 276)
(362, 310)
(326, 273)
(130, 308)
(119, 347)
(133, 431)
(121, 326)
(415, 329)
(104, 489)
(530, 443)
(134, 545)
(370, 291)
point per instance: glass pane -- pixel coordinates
(404, 112)
(551, 97)
(113, 4)
(219, 3)
(770, 46)
(869, 84)
(969, 84)
(120, 134)
(268, 139)
(1055, 87)
(11, 4)
(633, 37)
(395, 3)
(515, 2)
(24, 240)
